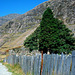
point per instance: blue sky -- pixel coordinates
(17, 6)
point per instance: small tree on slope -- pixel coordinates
(54, 35)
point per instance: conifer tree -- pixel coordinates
(54, 36)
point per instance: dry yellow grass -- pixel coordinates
(2, 56)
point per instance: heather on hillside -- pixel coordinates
(52, 35)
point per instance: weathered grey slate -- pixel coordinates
(14, 58)
(32, 65)
(53, 64)
(44, 72)
(48, 64)
(65, 65)
(29, 63)
(73, 63)
(69, 59)
(35, 65)
(55, 67)
(60, 64)
(20, 60)
(38, 64)
(17, 59)
(24, 64)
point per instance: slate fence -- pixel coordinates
(53, 64)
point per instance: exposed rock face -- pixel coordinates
(8, 18)
(62, 9)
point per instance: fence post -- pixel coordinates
(73, 62)
(41, 62)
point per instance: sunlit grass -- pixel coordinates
(15, 69)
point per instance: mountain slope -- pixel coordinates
(17, 39)
(8, 18)
(62, 9)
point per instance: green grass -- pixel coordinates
(1, 61)
(16, 69)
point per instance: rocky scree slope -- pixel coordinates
(62, 9)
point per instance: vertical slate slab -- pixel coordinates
(52, 64)
(11, 61)
(44, 64)
(47, 64)
(64, 65)
(65, 72)
(17, 59)
(62, 59)
(14, 59)
(32, 65)
(73, 62)
(69, 59)
(35, 64)
(29, 64)
(38, 64)
(58, 67)
(20, 60)
(24, 65)
(5, 60)
(8, 60)
(60, 64)
(49, 60)
(55, 67)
